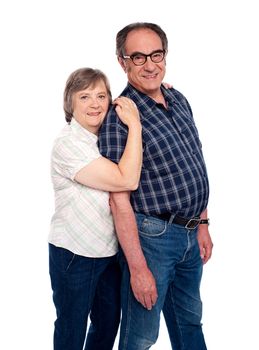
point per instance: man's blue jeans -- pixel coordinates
(81, 286)
(173, 256)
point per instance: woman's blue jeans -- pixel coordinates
(83, 286)
(173, 256)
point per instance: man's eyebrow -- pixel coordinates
(141, 53)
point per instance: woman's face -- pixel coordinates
(90, 106)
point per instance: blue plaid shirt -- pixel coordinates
(174, 177)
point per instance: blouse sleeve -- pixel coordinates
(69, 156)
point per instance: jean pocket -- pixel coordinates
(151, 227)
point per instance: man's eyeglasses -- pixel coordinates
(139, 58)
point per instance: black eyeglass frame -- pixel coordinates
(132, 56)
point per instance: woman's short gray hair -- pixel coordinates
(79, 80)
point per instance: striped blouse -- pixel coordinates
(82, 222)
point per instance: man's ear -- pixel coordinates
(122, 63)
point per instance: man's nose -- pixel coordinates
(149, 64)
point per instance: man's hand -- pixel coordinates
(143, 286)
(205, 243)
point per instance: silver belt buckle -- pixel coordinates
(192, 224)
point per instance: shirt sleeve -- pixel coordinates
(112, 137)
(69, 156)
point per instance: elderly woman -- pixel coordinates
(85, 277)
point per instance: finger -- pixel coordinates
(139, 298)
(142, 301)
(130, 102)
(205, 259)
(202, 253)
(148, 302)
(117, 101)
(202, 249)
(118, 108)
(154, 298)
(208, 253)
(133, 104)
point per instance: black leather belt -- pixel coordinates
(190, 224)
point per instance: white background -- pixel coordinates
(213, 60)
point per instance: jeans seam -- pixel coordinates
(125, 341)
(91, 297)
(188, 246)
(177, 320)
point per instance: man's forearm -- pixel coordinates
(127, 231)
(142, 281)
(204, 239)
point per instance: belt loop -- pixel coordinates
(170, 221)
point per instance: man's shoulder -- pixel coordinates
(111, 115)
(111, 126)
(177, 97)
(176, 94)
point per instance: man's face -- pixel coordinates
(148, 77)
